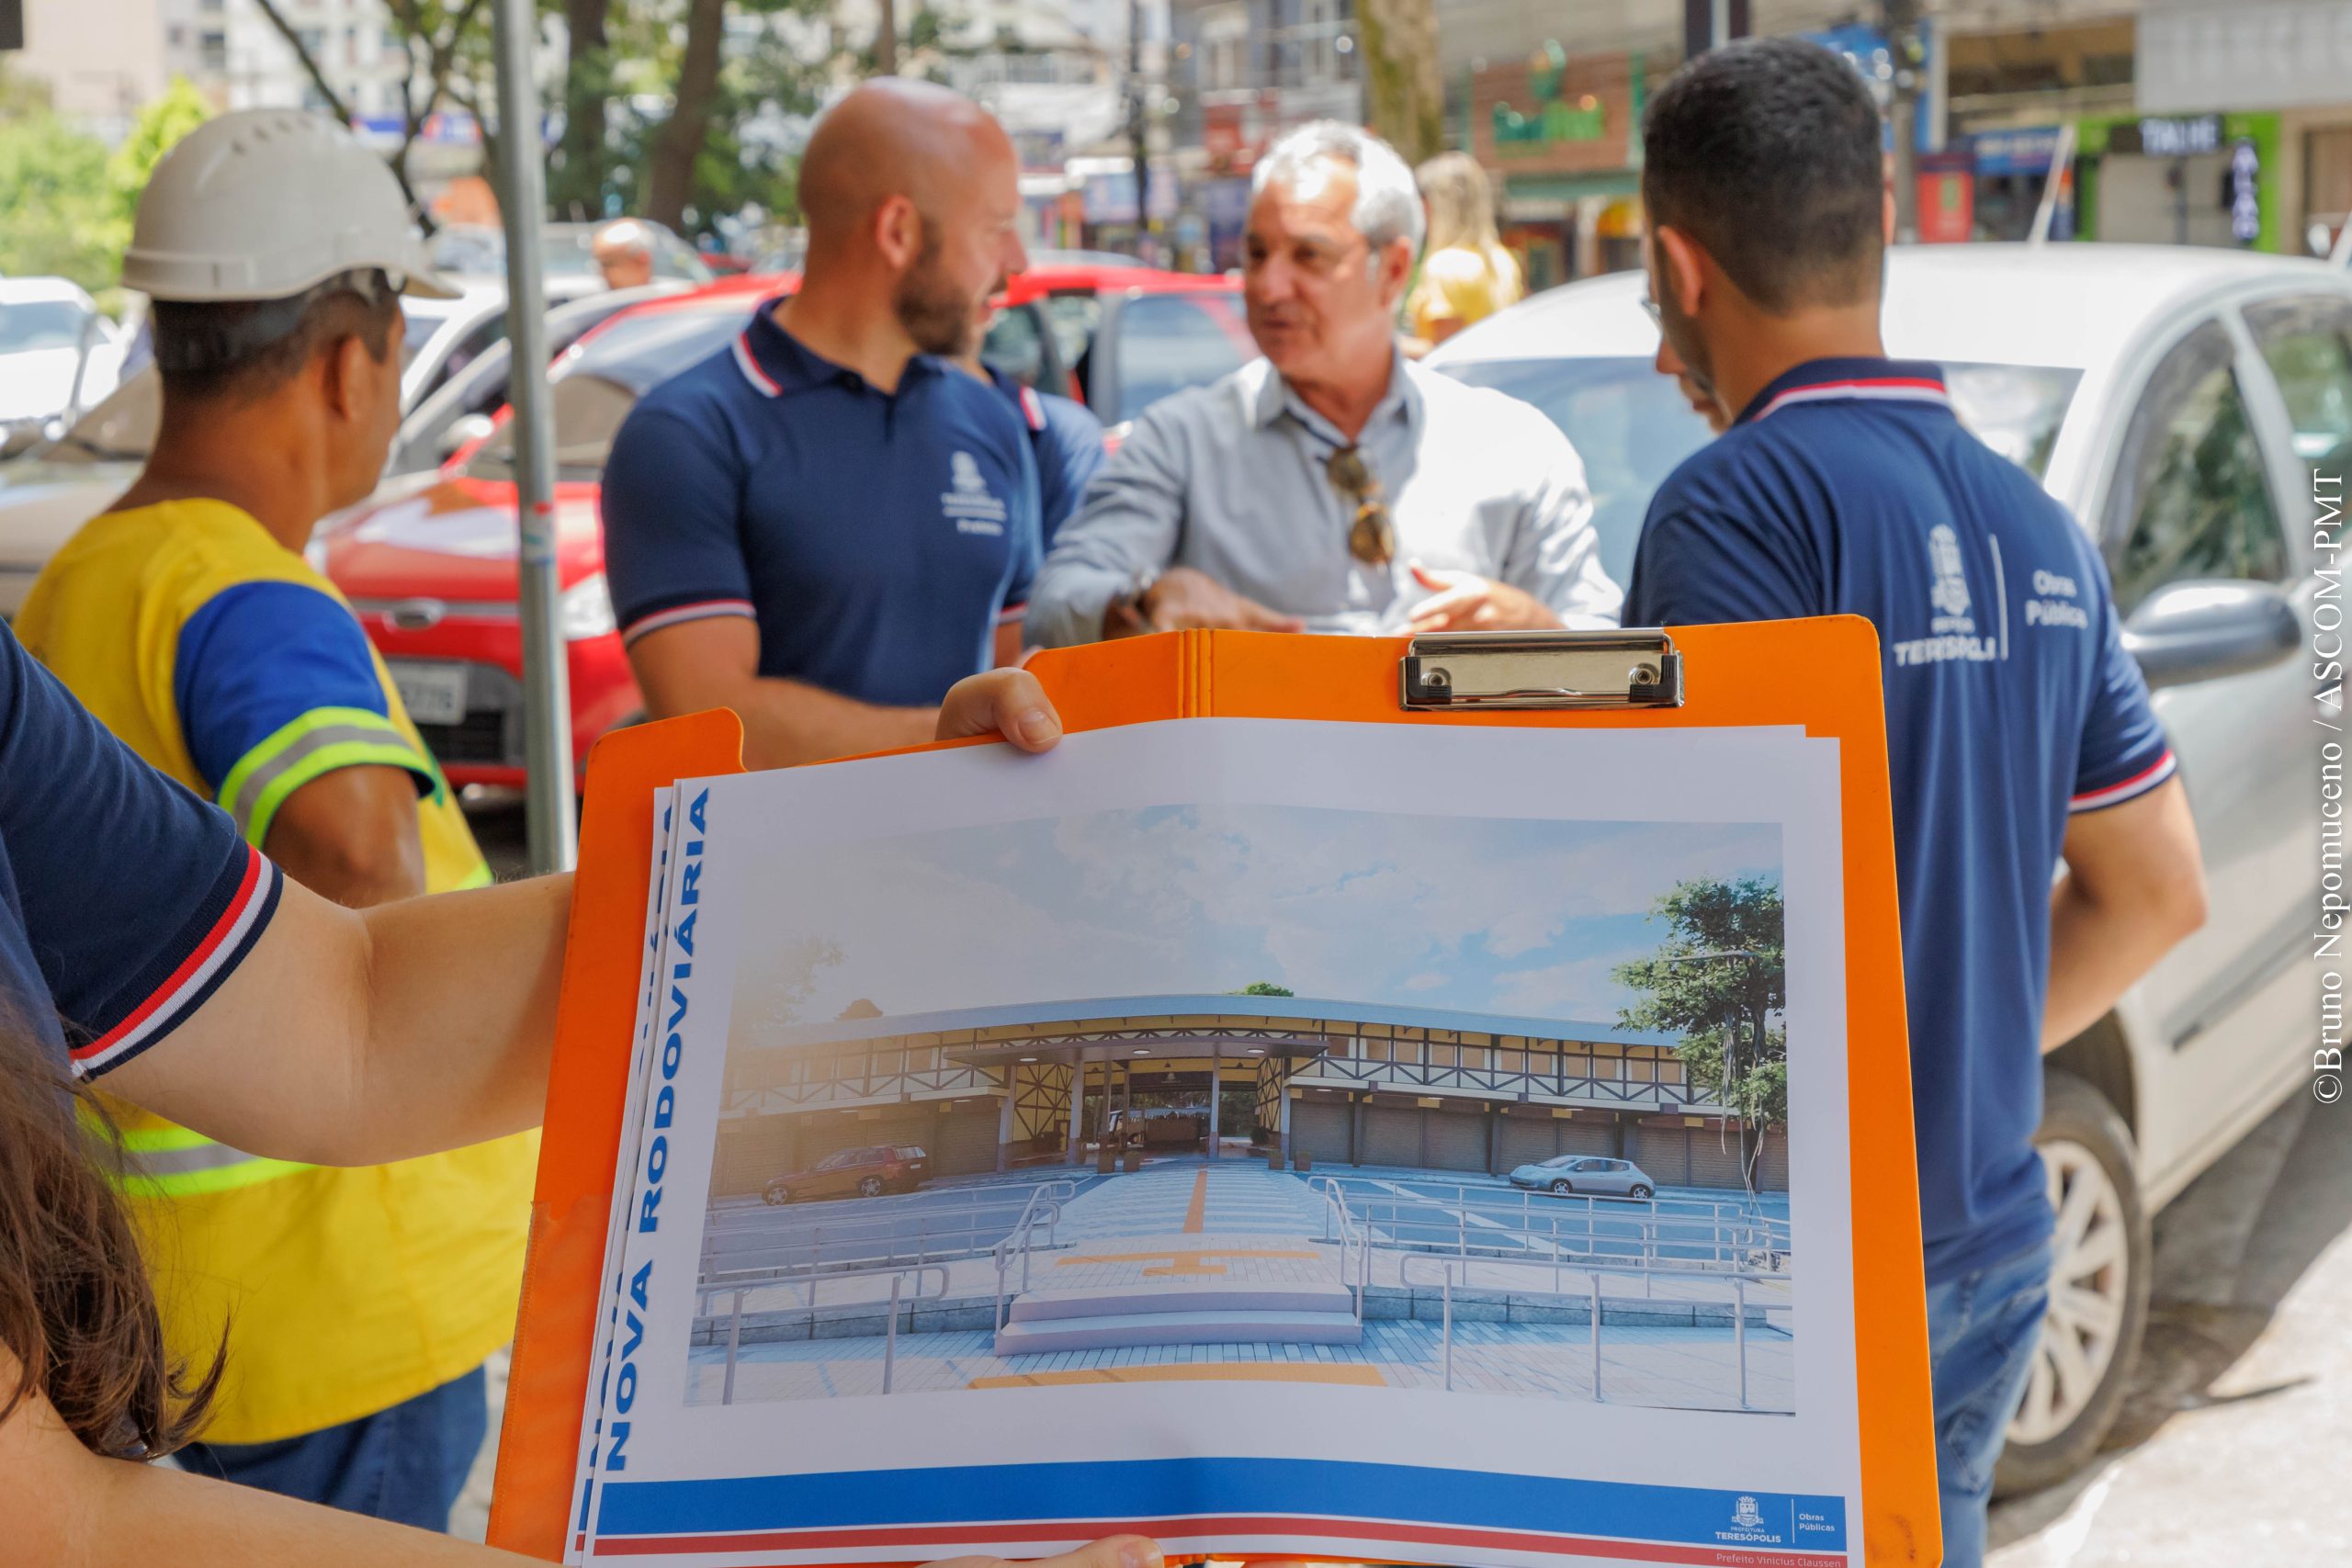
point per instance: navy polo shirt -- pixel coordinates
(1848, 486)
(1067, 441)
(877, 538)
(125, 901)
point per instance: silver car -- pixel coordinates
(1586, 1176)
(2192, 408)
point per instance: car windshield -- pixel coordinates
(42, 323)
(1631, 426)
(600, 380)
(120, 429)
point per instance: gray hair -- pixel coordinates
(1388, 204)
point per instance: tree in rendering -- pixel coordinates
(1720, 981)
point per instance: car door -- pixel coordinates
(1159, 344)
(2195, 495)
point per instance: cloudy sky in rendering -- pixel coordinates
(1497, 916)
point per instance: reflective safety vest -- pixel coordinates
(344, 1291)
(168, 1161)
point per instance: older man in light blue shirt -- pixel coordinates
(1332, 485)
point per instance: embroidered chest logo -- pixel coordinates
(968, 503)
(1949, 594)
(1952, 625)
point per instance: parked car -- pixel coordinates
(58, 355)
(2182, 402)
(1586, 1176)
(463, 408)
(866, 1172)
(567, 255)
(1162, 1127)
(57, 487)
(429, 563)
(1119, 337)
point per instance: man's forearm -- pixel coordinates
(1068, 605)
(356, 1038)
(2097, 951)
(790, 722)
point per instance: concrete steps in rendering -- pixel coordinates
(1110, 1317)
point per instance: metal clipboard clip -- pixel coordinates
(1455, 672)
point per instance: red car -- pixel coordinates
(428, 561)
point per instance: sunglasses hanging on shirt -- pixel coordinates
(1372, 537)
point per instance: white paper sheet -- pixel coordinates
(925, 926)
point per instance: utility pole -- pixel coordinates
(886, 40)
(1707, 24)
(1900, 23)
(1140, 107)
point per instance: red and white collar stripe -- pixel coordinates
(1894, 388)
(186, 989)
(678, 615)
(2137, 785)
(749, 364)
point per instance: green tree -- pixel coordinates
(159, 128)
(61, 219)
(1263, 989)
(1720, 980)
(1403, 93)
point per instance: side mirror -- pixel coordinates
(463, 432)
(2202, 630)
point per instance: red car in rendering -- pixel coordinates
(428, 561)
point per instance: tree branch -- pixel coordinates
(310, 66)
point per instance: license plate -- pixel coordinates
(432, 693)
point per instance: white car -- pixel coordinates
(58, 355)
(53, 489)
(2182, 402)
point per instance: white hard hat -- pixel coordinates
(265, 204)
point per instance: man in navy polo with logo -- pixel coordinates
(2019, 734)
(828, 524)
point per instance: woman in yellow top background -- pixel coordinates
(1466, 275)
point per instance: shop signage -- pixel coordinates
(2162, 137)
(1555, 120)
(2026, 151)
(2245, 194)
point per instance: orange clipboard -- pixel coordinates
(1821, 675)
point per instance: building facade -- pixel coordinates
(990, 1089)
(1240, 73)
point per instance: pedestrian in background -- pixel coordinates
(1333, 484)
(1064, 435)
(623, 251)
(1466, 275)
(1846, 485)
(827, 524)
(357, 1305)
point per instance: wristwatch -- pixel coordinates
(1128, 605)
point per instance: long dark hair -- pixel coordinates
(76, 1309)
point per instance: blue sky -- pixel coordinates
(1486, 915)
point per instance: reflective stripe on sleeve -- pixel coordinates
(168, 1161)
(317, 743)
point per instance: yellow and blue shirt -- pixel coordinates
(228, 663)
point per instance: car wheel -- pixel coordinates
(870, 1186)
(2098, 1289)
(773, 1195)
(1560, 1187)
(1640, 1190)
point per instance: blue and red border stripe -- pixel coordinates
(1455, 1512)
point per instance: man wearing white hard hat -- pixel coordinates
(358, 1304)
